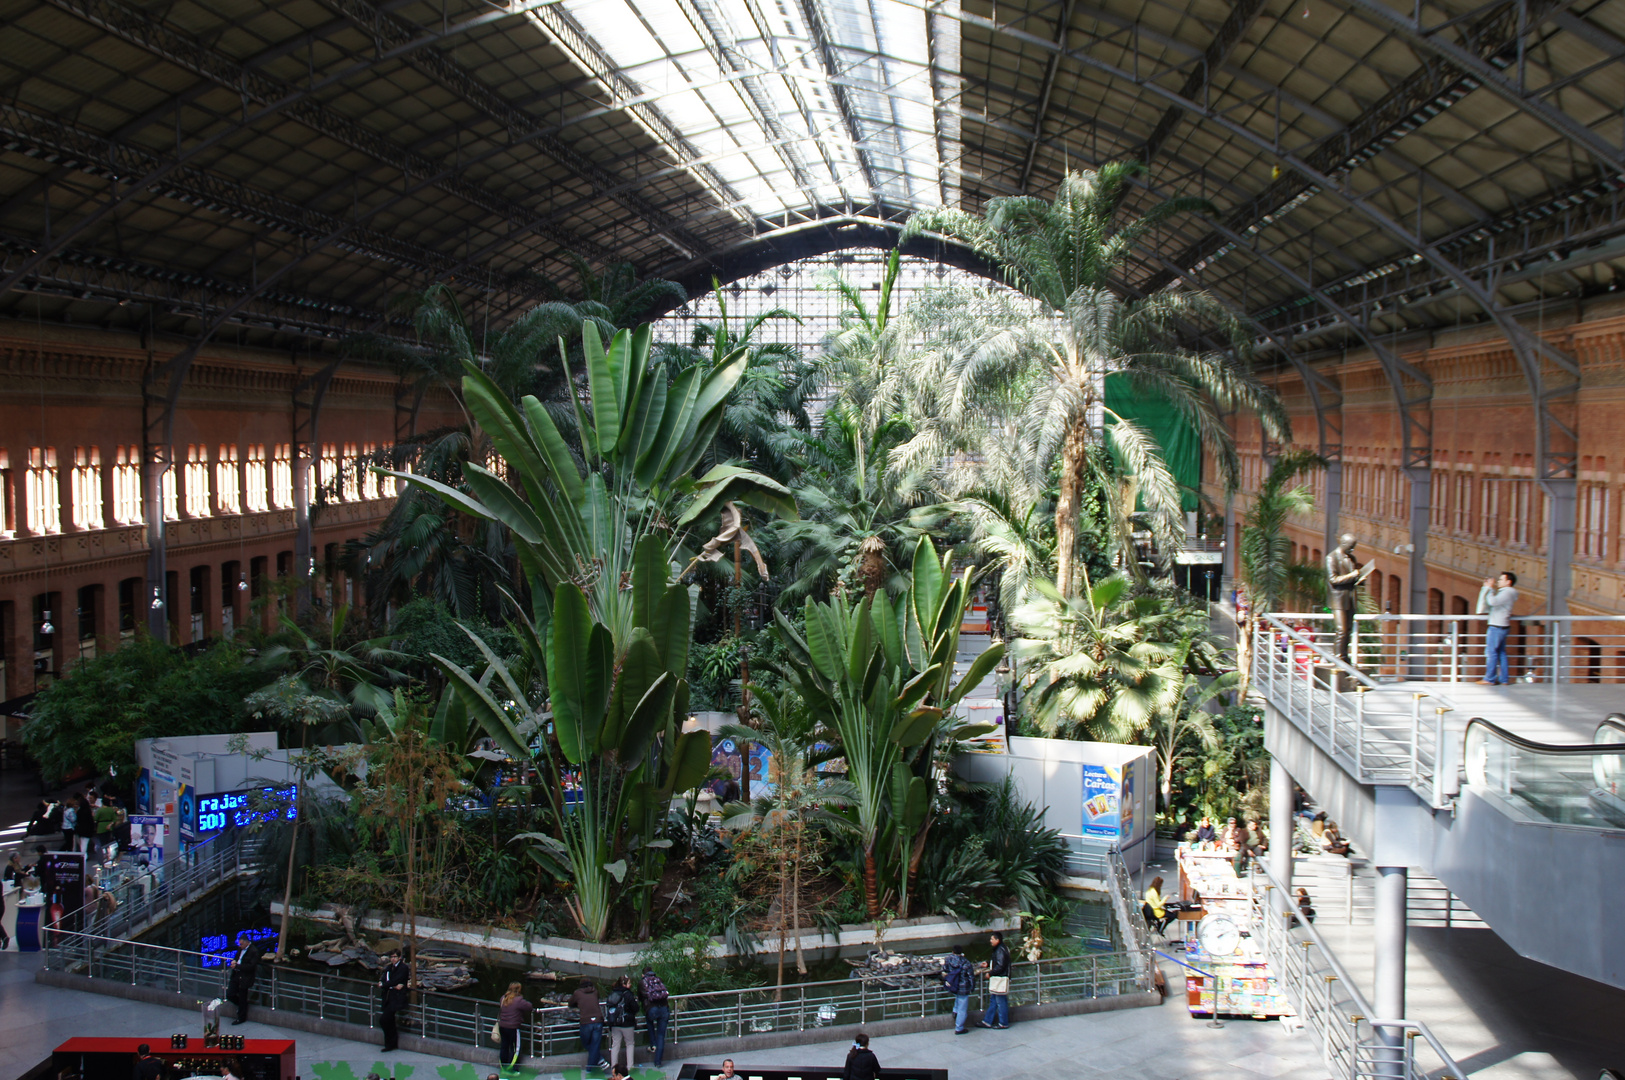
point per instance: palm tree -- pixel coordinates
(1266, 550)
(798, 800)
(1105, 664)
(861, 516)
(423, 547)
(769, 406)
(1063, 254)
(1175, 732)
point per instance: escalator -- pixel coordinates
(1582, 784)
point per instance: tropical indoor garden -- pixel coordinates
(639, 553)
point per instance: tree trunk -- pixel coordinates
(1074, 449)
(293, 844)
(795, 901)
(872, 565)
(784, 910)
(871, 883)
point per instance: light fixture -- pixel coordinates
(242, 582)
(45, 627)
(692, 723)
(157, 600)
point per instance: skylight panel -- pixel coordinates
(744, 95)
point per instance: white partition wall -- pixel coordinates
(1051, 773)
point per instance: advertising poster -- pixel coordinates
(1126, 816)
(764, 777)
(62, 877)
(147, 837)
(143, 792)
(187, 799)
(1102, 801)
(725, 755)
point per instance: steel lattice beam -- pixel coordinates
(1063, 26)
(392, 32)
(84, 275)
(1507, 23)
(812, 14)
(272, 98)
(1233, 29)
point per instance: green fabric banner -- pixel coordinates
(1181, 446)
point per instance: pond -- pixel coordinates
(211, 924)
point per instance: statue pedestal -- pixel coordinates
(1335, 677)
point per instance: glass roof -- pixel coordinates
(782, 105)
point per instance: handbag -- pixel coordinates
(998, 984)
(496, 1032)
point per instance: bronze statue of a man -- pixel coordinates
(1344, 575)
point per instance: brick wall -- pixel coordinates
(79, 393)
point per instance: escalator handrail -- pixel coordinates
(1592, 749)
(1613, 721)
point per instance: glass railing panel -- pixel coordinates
(1566, 785)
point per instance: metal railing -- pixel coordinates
(1355, 1043)
(1450, 648)
(1377, 738)
(162, 890)
(466, 1021)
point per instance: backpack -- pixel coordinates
(654, 991)
(957, 977)
(615, 1009)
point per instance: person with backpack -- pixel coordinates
(958, 978)
(621, 1011)
(657, 1011)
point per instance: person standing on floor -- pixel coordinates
(861, 1063)
(245, 968)
(70, 823)
(585, 1002)
(509, 1017)
(395, 982)
(84, 828)
(657, 1013)
(621, 1012)
(957, 977)
(998, 984)
(1496, 599)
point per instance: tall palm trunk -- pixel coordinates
(871, 882)
(795, 900)
(1074, 451)
(872, 565)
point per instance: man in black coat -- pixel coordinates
(394, 982)
(245, 968)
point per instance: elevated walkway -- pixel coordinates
(1508, 795)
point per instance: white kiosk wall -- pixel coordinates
(1049, 773)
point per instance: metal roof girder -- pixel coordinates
(393, 31)
(142, 31)
(812, 14)
(1488, 75)
(1063, 26)
(1522, 343)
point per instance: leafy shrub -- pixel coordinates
(685, 964)
(990, 850)
(146, 689)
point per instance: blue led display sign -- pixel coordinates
(233, 809)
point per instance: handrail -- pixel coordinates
(1612, 722)
(1333, 661)
(1353, 989)
(1534, 747)
(1412, 616)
